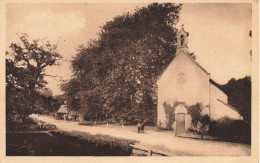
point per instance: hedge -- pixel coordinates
(231, 130)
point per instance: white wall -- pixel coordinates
(218, 109)
(225, 110)
(193, 90)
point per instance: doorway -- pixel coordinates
(180, 123)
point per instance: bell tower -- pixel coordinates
(182, 41)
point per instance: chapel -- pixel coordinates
(184, 83)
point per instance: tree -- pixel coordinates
(25, 72)
(71, 97)
(123, 65)
(239, 95)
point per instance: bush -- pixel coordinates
(160, 127)
(101, 144)
(204, 122)
(170, 115)
(29, 120)
(231, 130)
(195, 112)
(92, 123)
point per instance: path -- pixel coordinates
(162, 140)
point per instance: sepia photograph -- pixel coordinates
(129, 79)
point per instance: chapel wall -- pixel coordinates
(194, 88)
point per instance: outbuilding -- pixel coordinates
(62, 113)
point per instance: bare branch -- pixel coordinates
(55, 77)
(66, 60)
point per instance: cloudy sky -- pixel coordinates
(219, 33)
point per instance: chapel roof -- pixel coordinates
(193, 60)
(217, 85)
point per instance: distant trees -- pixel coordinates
(25, 72)
(239, 95)
(115, 76)
(49, 103)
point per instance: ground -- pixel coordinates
(164, 141)
(30, 140)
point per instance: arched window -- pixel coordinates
(182, 40)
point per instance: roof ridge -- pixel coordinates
(159, 76)
(197, 64)
(217, 85)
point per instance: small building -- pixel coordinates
(62, 113)
(184, 83)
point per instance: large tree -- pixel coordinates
(117, 73)
(25, 71)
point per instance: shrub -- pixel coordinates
(195, 112)
(160, 126)
(30, 120)
(102, 144)
(231, 130)
(92, 123)
(204, 122)
(170, 115)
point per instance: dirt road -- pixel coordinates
(162, 140)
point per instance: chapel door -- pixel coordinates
(180, 123)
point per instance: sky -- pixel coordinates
(219, 33)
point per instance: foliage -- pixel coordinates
(199, 122)
(31, 142)
(195, 112)
(231, 130)
(170, 115)
(204, 122)
(25, 72)
(104, 144)
(239, 95)
(159, 126)
(115, 76)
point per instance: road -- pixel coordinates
(160, 140)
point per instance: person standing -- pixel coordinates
(139, 126)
